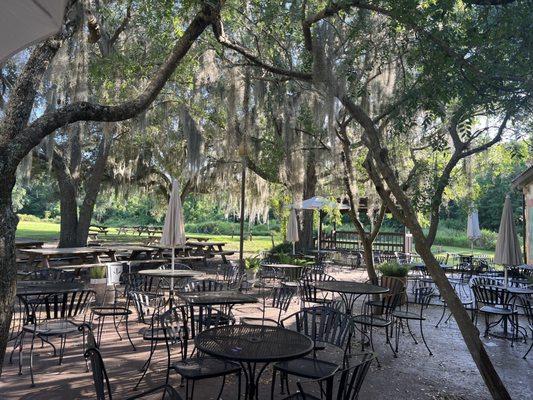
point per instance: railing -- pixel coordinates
(386, 242)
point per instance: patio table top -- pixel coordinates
(168, 273)
(222, 297)
(349, 287)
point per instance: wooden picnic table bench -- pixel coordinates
(99, 229)
(83, 253)
(22, 243)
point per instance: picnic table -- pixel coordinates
(133, 250)
(211, 249)
(99, 229)
(47, 254)
(22, 243)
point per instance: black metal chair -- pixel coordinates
(230, 275)
(280, 299)
(423, 296)
(148, 307)
(197, 367)
(527, 306)
(211, 316)
(495, 301)
(325, 326)
(103, 387)
(52, 315)
(309, 293)
(378, 315)
(349, 381)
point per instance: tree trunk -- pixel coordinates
(8, 266)
(468, 330)
(306, 238)
(69, 213)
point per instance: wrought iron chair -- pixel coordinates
(378, 315)
(495, 301)
(148, 309)
(527, 305)
(103, 387)
(349, 381)
(194, 368)
(280, 299)
(423, 296)
(52, 315)
(211, 316)
(309, 293)
(325, 326)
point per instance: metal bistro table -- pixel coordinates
(252, 345)
(350, 291)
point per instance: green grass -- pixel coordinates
(49, 231)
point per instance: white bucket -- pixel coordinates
(114, 270)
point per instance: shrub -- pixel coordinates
(28, 218)
(393, 268)
(285, 247)
(252, 263)
(98, 272)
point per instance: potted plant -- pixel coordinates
(252, 265)
(395, 269)
(98, 282)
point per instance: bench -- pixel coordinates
(223, 254)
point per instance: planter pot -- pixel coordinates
(251, 274)
(99, 286)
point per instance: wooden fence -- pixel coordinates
(386, 242)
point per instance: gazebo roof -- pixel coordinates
(524, 178)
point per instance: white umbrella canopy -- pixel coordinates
(26, 22)
(508, 252)
(319, 203)
(473, 232)
(174, 228)
(292, 229)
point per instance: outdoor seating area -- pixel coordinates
(260, 337)
(284, 200)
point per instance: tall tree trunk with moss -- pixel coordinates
(310, 182)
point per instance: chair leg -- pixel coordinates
(442, 316)
(528, 350)
(239, 382)
(147, 363)
(411, 332)
(31, 360)
(62, 348)
(424, 339)
(221, 388)
(273, 385)
(128, 333)
(115, 324)
(20, 351)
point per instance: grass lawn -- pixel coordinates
(49, 231)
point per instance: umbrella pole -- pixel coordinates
(505, 275)
(319, 229)
(172, 277)
(293, 248)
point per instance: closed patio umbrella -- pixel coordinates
(292, 229)
(508, 251)
(472, 229)
(174, 229)
(26, 22)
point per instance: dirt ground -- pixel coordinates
(449, 374)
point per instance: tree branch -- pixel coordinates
(84, 111)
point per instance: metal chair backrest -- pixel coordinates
(60, 305)
(143, 283)
(177, 267)
(352, 378)
(485, 281)
(322, 324)
(146, 305)
(491, 295)
(394, 284)
(100, 378)
(206, 285)
(402, 258)
(308, 292)
(281, 298)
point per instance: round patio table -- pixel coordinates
(172, 274)
(350, 291)
(250, 345)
